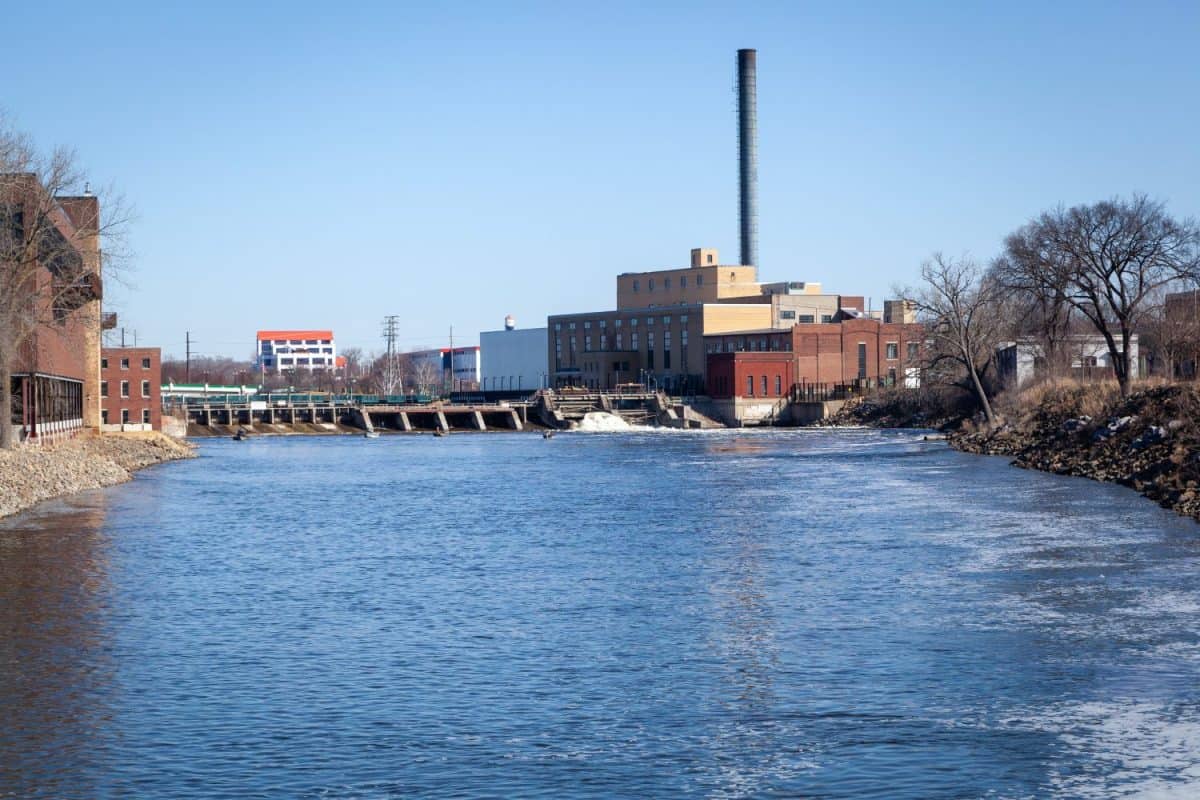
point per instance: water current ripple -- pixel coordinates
(641, 614)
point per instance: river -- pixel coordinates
(812, 613)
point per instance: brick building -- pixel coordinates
(656, 334)
(50, 246)
(753, 374)
(131, 389)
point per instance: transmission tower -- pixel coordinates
(391, 367)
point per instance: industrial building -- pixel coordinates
(55, 369)
(130, 389)
(513, 360)
(753, 375)
(441, 369)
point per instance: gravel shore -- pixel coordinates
(29, 475)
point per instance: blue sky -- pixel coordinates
(309, 165)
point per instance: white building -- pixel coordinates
(425, 364)
(513, 360)
(280, 351)
(1021, 361)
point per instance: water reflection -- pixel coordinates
(56, 674)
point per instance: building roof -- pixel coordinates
(294, 335)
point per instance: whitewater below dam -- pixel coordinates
(818, 613)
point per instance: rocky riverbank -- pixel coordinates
(1149, 441)
(29, 475)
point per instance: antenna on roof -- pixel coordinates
(87, 188)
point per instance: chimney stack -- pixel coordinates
(748, 154)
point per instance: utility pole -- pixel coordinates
(122, 336)
(187, 364)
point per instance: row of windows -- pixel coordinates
(125, 416)
(266, 343)
(666, 282)
(764, 384)
(267, 349)
(124, 363)
(125, 389)
(617, 323)
(290, 361)
(803, 319)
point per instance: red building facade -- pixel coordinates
(131, 388)
(852, 353)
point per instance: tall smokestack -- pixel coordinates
(748, 154)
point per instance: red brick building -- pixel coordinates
(753, 374)
(50, 245)
(131, 388)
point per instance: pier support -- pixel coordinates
(405, 425)
(515, 420)
(440, 420)
(477, 421)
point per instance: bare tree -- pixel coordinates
(959, 305)
(1170, 332)
(51, 240)
(1111, 258)
(1042, 311)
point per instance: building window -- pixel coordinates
(683, 281)
(616, 323)
(587, 343)
(603, 324)
(649, 321)
(587, 325)
(750, 385)
(619, 337)
(862, 359)
(650, 284)
(891, 376)
(633, 340)
(104, 363)
(826, 318)
(633, 323)
(893, 351)
(666, 359)
(732, 277)
(699, 280)
(145, 363)
(557, 327)
(145, 388)
(636, 285)
(913, 351)
(806, 318)
(124, 416)
(778, 385)
(104, 388)
(570, 326)
(787, 313)
(709, 258)
(683, 339)
(124, 388)
(666, 320)
(604, 342)
(764, 385)
(145, 416)
(104, 416)
(666, 283)
(124, 363)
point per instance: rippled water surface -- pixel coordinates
(732, 614)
